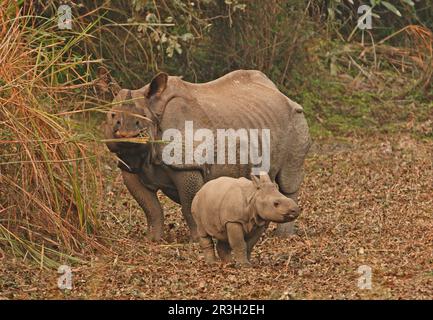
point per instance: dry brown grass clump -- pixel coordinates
(49, 176)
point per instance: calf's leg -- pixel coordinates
(252, 239)
(237, 242)
(207, 246)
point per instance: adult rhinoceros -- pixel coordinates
(240, 100)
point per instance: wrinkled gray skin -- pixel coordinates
(241, 99)
(236, 212)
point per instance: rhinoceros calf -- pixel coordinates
(236, 212)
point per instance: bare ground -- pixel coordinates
(365, 201)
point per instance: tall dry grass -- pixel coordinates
(49, 170)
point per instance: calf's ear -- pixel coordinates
(255, 180)
(264, 177)
(158, 85)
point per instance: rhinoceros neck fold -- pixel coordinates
(133, 159)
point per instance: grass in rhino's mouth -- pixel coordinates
(137, 139)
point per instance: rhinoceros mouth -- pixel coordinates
(289, 219)
(130, 136)
(128, 142)
(139, 134)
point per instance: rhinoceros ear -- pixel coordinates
(255, 180)
(105, 83)
(264, 177)
(158, 84)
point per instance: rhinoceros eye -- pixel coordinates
(113, 115)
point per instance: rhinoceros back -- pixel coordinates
(243, 99)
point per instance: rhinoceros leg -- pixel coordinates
(149, 202)
(224, 250)
(235, 234)
(188, 183)
(285, 229)
(289, 183)
(207, 245)
(291, 175)
(252, 240)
